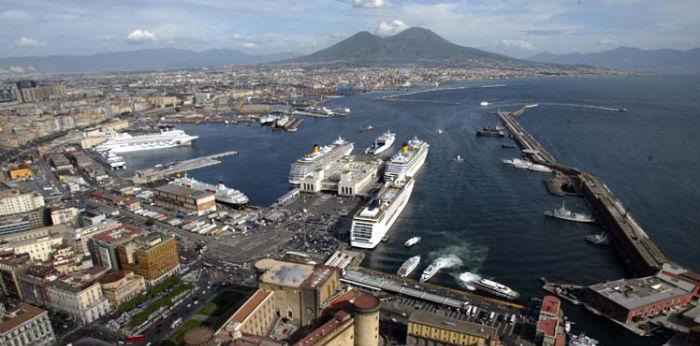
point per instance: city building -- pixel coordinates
(10, 270)
(426, 328)
(255, 317)
(549, 331)
(38, 249)
(14, 201)
(127, 202)
(20, 173)
(25, 325)
(628, 300)
(60, 163)
(346, 177)
(81, 297)
(184, 199)
(14, 223)
(120, 286)
(64, 215)
(152, 256)
(103, 245)
(300, 289)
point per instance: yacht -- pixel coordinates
(371, 224)
(408, 161)
(412, 241)
(433, 269)
(408, 267)
(525, 164)
(495, 289)
(565, 214)
(382, 143)
(126, 143)
(319, 157)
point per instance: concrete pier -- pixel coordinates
(638, 251)
(157, 173)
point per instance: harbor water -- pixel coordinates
(486, 217)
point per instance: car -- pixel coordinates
(189, 305)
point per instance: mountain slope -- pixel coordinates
(145, 59)
(630, 58)
(416, 46)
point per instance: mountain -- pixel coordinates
(630, 58)
(145, 59)
(413, 46)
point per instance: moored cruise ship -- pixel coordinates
(320, 157)
(408, 161)
(125, 143)
(222, 193)
(372, 222)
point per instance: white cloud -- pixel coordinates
(391, 28)
(15, 14)
(607, 42)
(141, 36)
(365, 3)
(28, 42)
(514, 44)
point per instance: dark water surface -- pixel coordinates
(486, 216)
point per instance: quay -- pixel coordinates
(157, 173)
(378, 281)
(638, 251)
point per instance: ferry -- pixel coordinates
(495, 289)
(126, 143)
(408, 161)
(432, 270)
(372, 223)
(319, 157)
(222, 193)
(408, 267)
(412, 241)
(382, 143)
(525, 164)
(565, 214)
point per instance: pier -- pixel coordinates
(157, 173)
(638, 251)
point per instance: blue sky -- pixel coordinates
(514, 27)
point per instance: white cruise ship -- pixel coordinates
(371, 223)
(223, 194)
(408, 161)
(320, 157)
(125, 143)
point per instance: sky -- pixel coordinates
(513, 27)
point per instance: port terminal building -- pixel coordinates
(346, 177)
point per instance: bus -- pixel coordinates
(136, 338)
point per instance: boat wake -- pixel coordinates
(578, 105)
(466, 278)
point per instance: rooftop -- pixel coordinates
(20, 314)
(285, 273)
(325, 329)
(183, 191)
(249, 306)
(119, 234)
(459, 326)
(550, 305)
(636, 293)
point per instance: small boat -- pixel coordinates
(458, 158)
(622, 109)
(582, 340)
(598, 239)
(367, 128)
(484, 103)
(565, 214)
(491, 132)
(533, 105)
(412, 241)
(440, 131)
(508, 146)
(408, 267)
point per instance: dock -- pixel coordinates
(157, 173)
(638, 251)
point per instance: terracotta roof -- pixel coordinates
(366, 302)
(324, 330)
(550, 305)
(319, 276)
(117, 234)
(548, 327)
(250, 305)
(113, 276)
(26, 313)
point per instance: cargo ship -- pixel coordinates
(408, 267)
(408, 161)
(372, 223)
(319, 157)
(126, 143)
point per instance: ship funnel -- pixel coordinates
(404, 148)
(316, 148)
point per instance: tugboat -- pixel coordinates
(566, 214)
